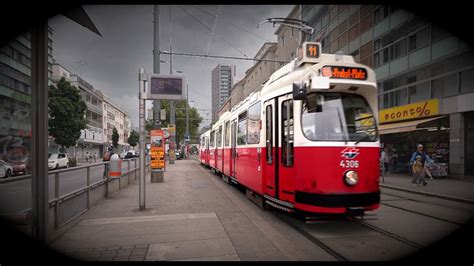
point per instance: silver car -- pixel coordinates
(6, 169)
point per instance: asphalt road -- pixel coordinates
(15, 196)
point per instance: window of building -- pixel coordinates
(334, 34)
(445, 86)
(343, 26)
(354, 18)
(354, 32)
(380, 14)
(366, 24)
(343, 40)
(419, 92)
(398, 49)
(334, 46)
(253, 127)
(333, 13)
(419, 40)
(467, 80)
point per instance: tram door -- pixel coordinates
(285, 140)
(233, 129)
(270, 177)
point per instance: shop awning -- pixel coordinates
(405, 126)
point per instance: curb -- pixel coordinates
(429, 194)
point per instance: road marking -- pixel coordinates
(150, 218)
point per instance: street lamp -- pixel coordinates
(186, 137)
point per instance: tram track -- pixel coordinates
(417, 212)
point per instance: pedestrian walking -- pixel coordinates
(95, 157)
(87, 156)
(417, 169)
(425, 159)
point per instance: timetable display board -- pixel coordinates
(157, 150)
(165, 87)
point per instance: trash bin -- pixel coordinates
(115, 166)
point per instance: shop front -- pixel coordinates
(403, 127)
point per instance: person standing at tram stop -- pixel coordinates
(385, 160)
(425, 161)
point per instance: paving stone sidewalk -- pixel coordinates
(193, 215)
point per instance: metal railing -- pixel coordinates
(58, 199)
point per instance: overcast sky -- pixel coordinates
(110, 63)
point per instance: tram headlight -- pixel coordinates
(351, 178)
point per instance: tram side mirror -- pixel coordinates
(299, 91)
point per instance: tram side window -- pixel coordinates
(212, 140)
(242, 129)
(287, 133)
(227, 134)
(253, 132)
(219, 137)
(269, 135)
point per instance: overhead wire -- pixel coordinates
(209, 29)
(235, 25)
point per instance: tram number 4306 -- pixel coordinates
(349, 163)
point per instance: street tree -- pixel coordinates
(133, 138)
(180, 118)
(67, 113)
(115, 138)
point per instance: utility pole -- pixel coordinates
(156, 59)
(187, 121)
(172, 111)
(141, 130)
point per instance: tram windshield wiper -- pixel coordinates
(368, 134)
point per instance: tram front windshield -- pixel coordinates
(338, 117)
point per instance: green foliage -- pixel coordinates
(149, 125)
(67, 112)
(115, 138)
(180, 118)
(133, 138)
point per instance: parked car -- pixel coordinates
(21, 167)
(6, 169)
(131, 154)
(58, 160)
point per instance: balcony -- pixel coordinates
(94, 108)
(93, 123)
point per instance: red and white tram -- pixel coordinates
(307, 141)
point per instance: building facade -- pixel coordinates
(118, 118)
(15, 97)
(419, 67)
(91, 141)
(102, 116)
(222, 81)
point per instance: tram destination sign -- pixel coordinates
(341, 72)
(165, 87)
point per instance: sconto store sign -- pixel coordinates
(410, 111)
